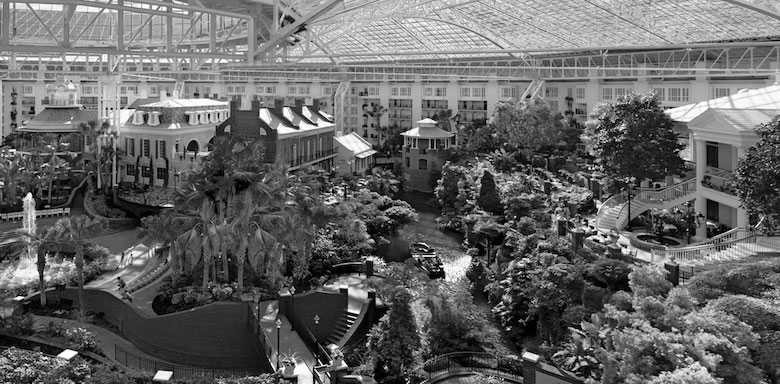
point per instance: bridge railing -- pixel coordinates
(509, 367)
(655, 196)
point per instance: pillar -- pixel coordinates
(530, 361)
(417, 96)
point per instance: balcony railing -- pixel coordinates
(720, 180)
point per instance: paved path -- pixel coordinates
(289, 341)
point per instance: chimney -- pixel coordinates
(256, 107)
(279, 104)
(299, 102)
(234, 107)
(315, 105)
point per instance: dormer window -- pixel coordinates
(191, 118)
(219, 115)
(213, 117)
(203, 117)
(154, 118)
(138, 118)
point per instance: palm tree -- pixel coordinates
(40, 243)
(165, 228)
(12, 169)
(377, 111)
(73, 232)
(52, 170)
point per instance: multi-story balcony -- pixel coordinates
(719, 180)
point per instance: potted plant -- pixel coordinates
(288, 365)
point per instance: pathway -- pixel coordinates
(289, 341)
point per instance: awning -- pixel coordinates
(364, 154)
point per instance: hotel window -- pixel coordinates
(154, 91)
(270, 90)
(721, 92)
(373, 91)
(162, 173)
(405, 91)
(465, 92)
(441, 92)
(509, 92)
(145, 144)
(131, 147)
(570, 92)
(146, 171)
(674, 94)
(303, 90)
(660, 93)
(130, 169)
(580, 109)
(478, 92)
(291, 90)
(606, 93)
(580, 93)
(551, 92)
(422, 164)
(240, 89)
(620, 92)
(162, 144)
(428, 92)
(122, 90)
(27, 90)
(394, 91)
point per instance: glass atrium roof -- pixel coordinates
(369, 30)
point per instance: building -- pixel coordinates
(720, 131)
(423, 154)
(294, 136)
(354, 154)
(165, 139)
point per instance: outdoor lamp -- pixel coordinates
(700, 219)
(292, 305)
(278, 349)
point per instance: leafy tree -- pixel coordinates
(165, 228)
(758, 175)
(395, 341)
(489, 199)
(634, 138)
(662, 336)
(527, 124)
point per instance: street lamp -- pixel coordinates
(292, 306)
(278, 348)
(316, 326)
(629, 184)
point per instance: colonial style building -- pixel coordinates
(165, 139)
(423, 154)
(294, 136)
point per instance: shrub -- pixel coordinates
(488, 195)
(750, 280)
(757, 313)
(81, 339)
(609, 273)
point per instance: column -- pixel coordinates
(701, 203)
(491, 95)
(699, 87)
(417, 96)
(593, 91)
(453, 94)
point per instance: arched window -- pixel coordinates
(422, 164)
(192, 146)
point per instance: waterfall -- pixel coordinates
(28, 221)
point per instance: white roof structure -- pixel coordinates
(762, 98)
(187, 103)
(354, 143)
(427, 129)
(732, 121)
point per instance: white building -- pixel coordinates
(353, 154)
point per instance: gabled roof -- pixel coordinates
(356, 144)
(59, 120)
(761, 98)
(318, 117)
(732, 121)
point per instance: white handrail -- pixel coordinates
(659, 196)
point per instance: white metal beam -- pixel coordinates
(283, 33)
(764, 11)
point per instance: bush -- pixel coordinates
(757, 313)
(81, 339)
(609, 273)
(488, 195)
(19, 324)
(750, 280)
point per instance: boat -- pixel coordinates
(426, 259)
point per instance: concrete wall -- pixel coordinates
(420, 179)
(218, 335)
(329, 306)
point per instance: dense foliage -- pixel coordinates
(394, 341)
(758, 175)
(528, 124)
(634, 138)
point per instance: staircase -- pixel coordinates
(735, 244)
(533, 90)
(345, 322)
(613, 214)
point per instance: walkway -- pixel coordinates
(289, 341)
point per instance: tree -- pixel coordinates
(383, 182)
(758, 175)
(165, 228)
(73, 232)
(528, 125)
(488, 199)
(395, 340)
(634, 138)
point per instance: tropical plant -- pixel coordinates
(74, 232)
(165, 228)
(528, 125)
(395, 340)
(758, 174)
(383, 182)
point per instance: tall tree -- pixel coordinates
(488, 199)
(758, 175)
(395, 341)
(634, 138)
(528, 125)
(73, 232)
(165, 228)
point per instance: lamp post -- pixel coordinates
(292, 306)
(278, 348)
(316, 327)
(629, 185)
